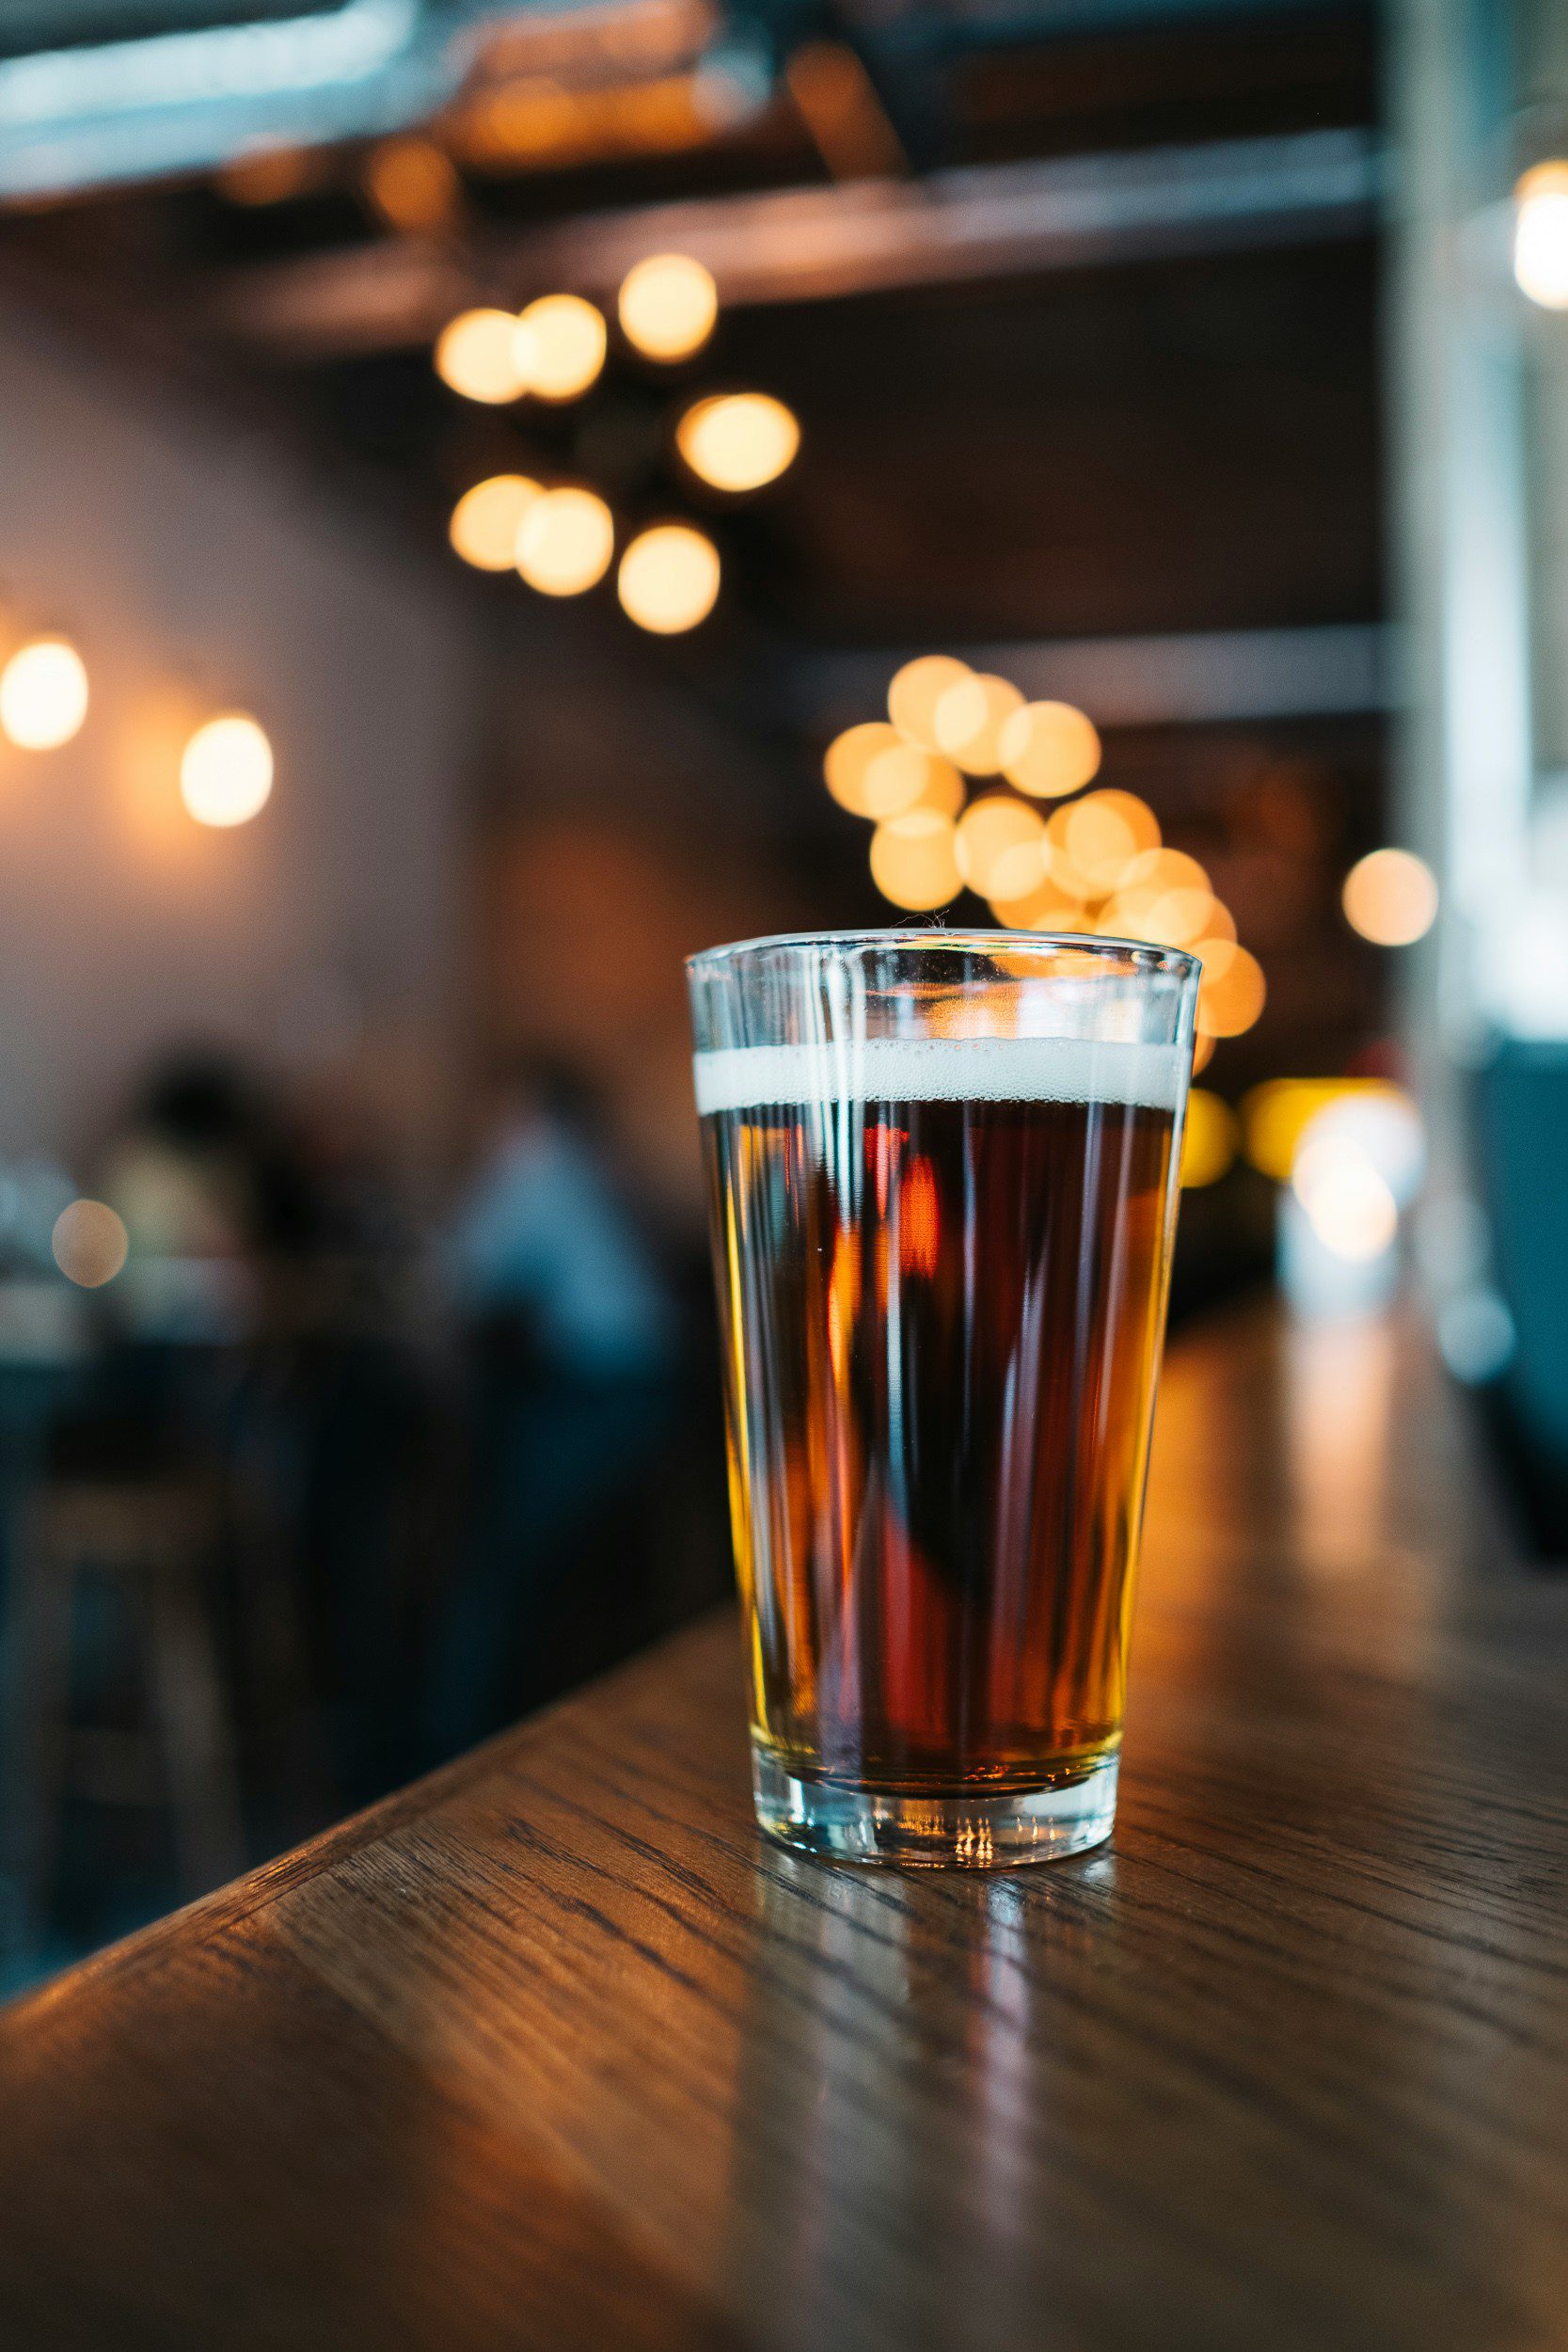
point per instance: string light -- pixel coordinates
(913, 863)
(668, 305)
(915, 692)
(969, 719)
(475, 354)
(486, 519)
(1105, 832)
(43, 694)
(566, 542)
(1390, 898)
(1049, 750)
(226, 770)
(853, 769)
(738, 440)
(905, 777)
(89, 1243)
(1042, 910)
(558, 346)
(1231, 992)
(669, 578)
(1000, 845)
(1541, 235)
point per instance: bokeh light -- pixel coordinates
(1104, 834)
(1276, 1115)
(1541, 235)
(475, 354)
(738, 440)
(1390, 898)
(669, 578)
(853, 771)
(916, 690)
(913, 861)
(969, 717)
(1231, 993)
(1349, 1204)
(1049, 750)
(559, 345)
(1000, 845)
(905, 777)
(89, 1243)
(566, 542)
(1209, 1139)
(486, 519)
(227, 770)
(1041, 910)
(43, 694)
(668, 305)
(413, 184)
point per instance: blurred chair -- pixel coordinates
(152, 1537)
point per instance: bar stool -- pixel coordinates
(153, 1536)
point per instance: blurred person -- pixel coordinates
(542, 1246)
(573, 1339)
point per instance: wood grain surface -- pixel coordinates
(552, 2051)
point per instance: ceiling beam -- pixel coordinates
(797, 245)
(1207, 677)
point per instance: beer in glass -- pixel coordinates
(942, 1176)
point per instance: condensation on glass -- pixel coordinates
(941, 1170)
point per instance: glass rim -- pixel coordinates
(1146, 955)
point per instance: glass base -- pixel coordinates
(979, 1832)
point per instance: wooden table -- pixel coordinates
(552, 2052)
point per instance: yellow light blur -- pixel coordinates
(43, 694)
(1104, 832)
(1000, 845)
(928, 780)
(1276, 1115)
(1042, 910)
(1208, 1140)
(90, 1243)
(1390, 898)
(558, 346)
(1231, 993)
(1165, 869)
(1049, 748)
(476, 356)
(912, 860)
(1541, 235)
(969, 719)
(226, 770)
(669, 578)
(1166, 918)
(737, 440)
(1347, 1203)
(566, 542)
(853, 771)
(271, 175)
(668, 305)
(412, 184)
(916, 690)
(486, 519)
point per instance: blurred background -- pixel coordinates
(496, 496)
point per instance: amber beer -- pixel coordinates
(943, 1270)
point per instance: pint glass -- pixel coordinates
(943, 1175)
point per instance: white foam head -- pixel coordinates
(942, 1070)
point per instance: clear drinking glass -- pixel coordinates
(942, 1172)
